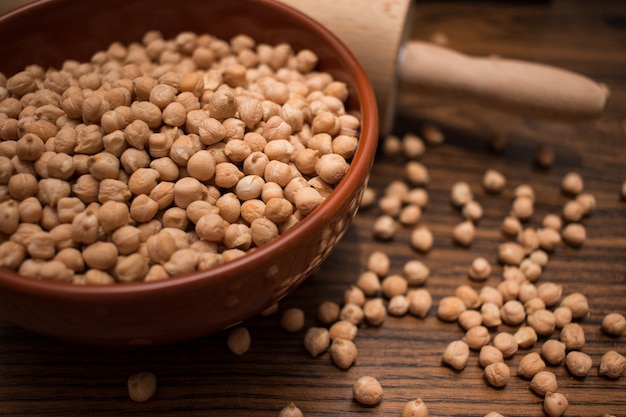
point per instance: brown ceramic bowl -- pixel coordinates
(47, 32)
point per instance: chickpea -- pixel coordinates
(101, 255)
(368, 391)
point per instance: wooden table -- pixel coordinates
(39, 376)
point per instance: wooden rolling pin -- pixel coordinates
(377, 32)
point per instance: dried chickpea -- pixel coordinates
(343, 329)
(530, 365)
(490, 313)
(574, 234)
(328, 312)
(367, 391)
(343, 353)
(480, 269)
(352, 313)
(417, 174)
(316, 340)
(141, 386)
(525, 336)
(292, 320)
(555, 404)
(354, 295)
(290, 411)
(553, 351)
(469, 319)
(414, 408)
(456, 354)
(463, 233)
(420, 302)
(498, 374)
(385, 227)
(612, 365)
(511, 226)
(369, 283)
(239, 340)
(614, 324)
(101, 255)
(398, 305)
(450, 307)
(415, 272)
(461, 193)
(476, 337)
(374, 312)
(394, 285)
(572, 183)
(493, 181)
(506, 343)
(488, 355)
(578, 363)
(511, 253)
(562, 316)
(543, 382)
(577, 303)
(512, 312)
(422, 239)
(573, 336)
(379, 263)
(522, 207)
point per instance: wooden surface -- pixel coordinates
(39, 376)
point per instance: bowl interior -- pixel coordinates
(65, 29)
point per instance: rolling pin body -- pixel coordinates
(377, 33)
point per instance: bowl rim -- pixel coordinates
(358, 169)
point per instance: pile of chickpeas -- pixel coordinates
(165, 156)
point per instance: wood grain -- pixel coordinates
(40, 376)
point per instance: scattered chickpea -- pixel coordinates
(553, 351)
(461, 193)
(394, 285)
(522, 208)
(374, 312)
(379, 263)
(573, 336)
(352, 313)
(530, 365)
(367, 391)
(562, 316)
(480, 269)
(493, 181)
(420, 302)
(614, 324)
(354, 295)
(555, 404)
(456, 355)
(476, 337)
(369, 283)
(398, 305)
(489, 354)
(506, 343)
(612, 365)
(577, 303)
(498, 374)
(385, 227)
(328, 312)
(415, 408)
(543, 382)
(141, 386)
(422, 239)
(463, 233)
(574, 234)
(343, 353)
(290, 411)
(415, 272)
(572, 183)
(239, 340)
(578, 363)
(525, 336)
(450, 307)
(292, 320)
(343, 329)
(469, 319)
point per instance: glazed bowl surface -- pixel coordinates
(184, 307)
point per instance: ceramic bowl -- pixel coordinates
(184, 307)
